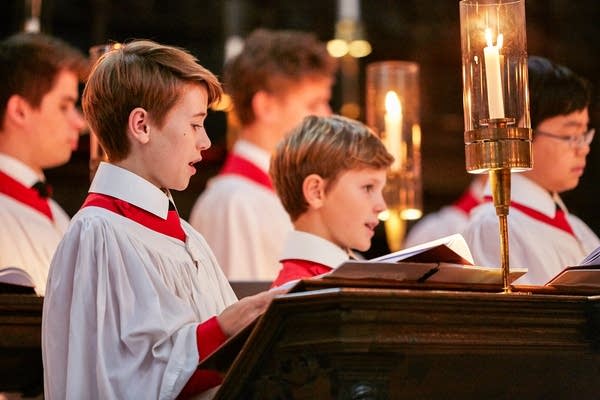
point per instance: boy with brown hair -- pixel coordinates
(39, 129)
(329, 173)
(279, 78)
(135, 297)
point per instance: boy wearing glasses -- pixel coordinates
(543, 236)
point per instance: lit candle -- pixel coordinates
(491, 55)
(349, 9)
(393, 127)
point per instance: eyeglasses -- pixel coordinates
(575, 141)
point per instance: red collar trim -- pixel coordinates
(237, 165)
(559, 221)
(28, 196)
(170, 227)
(467, 202)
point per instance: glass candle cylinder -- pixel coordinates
(392, 111)
(495, 90)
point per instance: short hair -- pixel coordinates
(326, 146)
(144, 74)
(30, 64)
(270, 61)
(554, 90)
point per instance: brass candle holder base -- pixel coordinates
(499, 149)
(500, 184)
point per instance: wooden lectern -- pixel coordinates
(20, 344)
(340, 340)
(334, 341)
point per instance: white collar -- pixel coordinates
(528, 193)
(306, 246)
(118, 182)
(252, 153)
(19, 171)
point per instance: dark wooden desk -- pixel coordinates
(248, 288)
(20, 343)
(20, 338)
(384, 343)
(333, 341)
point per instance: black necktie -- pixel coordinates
(44, 189)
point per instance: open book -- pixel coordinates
(15, 280)
(450, 249)
(584, 275)
(445, 260)
(593, 258)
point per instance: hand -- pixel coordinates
(241, 313)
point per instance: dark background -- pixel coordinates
(425, 31)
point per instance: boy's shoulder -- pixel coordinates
(93, 217)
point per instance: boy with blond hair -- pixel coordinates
(330, 174)
(135, 297)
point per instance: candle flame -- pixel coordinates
(416, 136)
(488, 39)
(392, 104)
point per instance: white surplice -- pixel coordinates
(541, 248)
(123, 301)
(244, 223)
(28, 238)
(448, 220)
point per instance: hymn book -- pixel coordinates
(445, 260)
(15, 280)
(584, 275)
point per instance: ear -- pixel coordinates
(139, 125)
(313, 189)
(263, 105)
(17, 110)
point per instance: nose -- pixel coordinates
(203, 141)
(380, 204)
(77, 120)
(583, 146)
(583, 150)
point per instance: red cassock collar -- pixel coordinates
(25, 195)
(170, 227)
(237, 165)
(559, 221)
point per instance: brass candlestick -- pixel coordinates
(496, 101)
(499, 149)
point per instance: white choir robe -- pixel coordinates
(244, 223)
(28, 238)
(123, 301)
(447, 220)
(541, 248)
